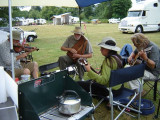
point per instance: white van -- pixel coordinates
(114, 20)
(143, 16)
(28, 35)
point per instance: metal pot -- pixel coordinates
(69, 102)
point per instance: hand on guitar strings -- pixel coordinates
(72, 50)
(143, 55)
(75, 56)
(134, 60)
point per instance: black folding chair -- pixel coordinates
(72, 70)
(121, 76)
(152, 85)
(47, 67)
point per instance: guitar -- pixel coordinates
(135, 60)
(84, 62)
(80, 47)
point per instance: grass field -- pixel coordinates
(50, 38)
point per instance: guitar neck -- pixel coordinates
(94, 70)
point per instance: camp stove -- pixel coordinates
(38, 98)
(54, 114)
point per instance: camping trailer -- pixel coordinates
(30, 21)
(143, 16)
(40, 21)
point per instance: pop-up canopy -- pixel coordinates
(58, 3)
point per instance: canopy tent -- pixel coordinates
(58, 3)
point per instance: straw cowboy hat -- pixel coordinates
(16, 35)
(78, 30)
(106, 44)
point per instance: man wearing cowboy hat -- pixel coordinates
(20, 68)
(77, 46)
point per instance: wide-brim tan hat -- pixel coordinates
(78, 30)
(105, 44)
(16, 35)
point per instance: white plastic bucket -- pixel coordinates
(25, 77)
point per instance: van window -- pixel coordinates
(144, 13)
(134, 13)
(155, 4)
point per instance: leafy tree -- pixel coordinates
(88, 11)
(120, 8)
(102, 11)
(37, 8)
(74, 11)
(60, 11)
(4, 16)
(48, 12)
(24, 14)
(34, 14)
(114, 8)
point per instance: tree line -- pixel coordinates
(102, 11)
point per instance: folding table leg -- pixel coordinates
(156, 116)
(155, 90)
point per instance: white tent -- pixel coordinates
(58, 3)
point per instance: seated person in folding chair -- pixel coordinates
(20, 68)
(112, 61)
(77, 46)
(148, 52)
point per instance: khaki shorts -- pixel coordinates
(19, 71)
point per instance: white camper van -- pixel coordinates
(143, 16)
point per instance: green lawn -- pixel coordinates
(51, 37)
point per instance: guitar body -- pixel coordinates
(136, 61)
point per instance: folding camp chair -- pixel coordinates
(121, 76)
(152, 85)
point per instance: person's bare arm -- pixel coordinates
(72, 50)
(131, 57)
(150, 63)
